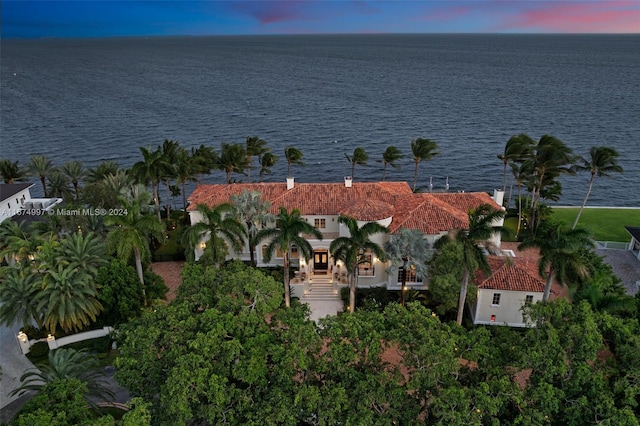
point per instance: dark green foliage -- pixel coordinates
(60, 403)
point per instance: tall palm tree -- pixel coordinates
(522, 174)
(233, 158)
(481, 227)
(422, 149)
(293, 156)
(390, 157)
(75, 171)
(66, 363)
(358, 157)
(254, 146)
(185, 172)
(130, 235)
(602, 162)
(410, 249)
(150, 169)
(352, 250)
(560, 250)
(40, 166)
(253, 212)
(84, 251)
(70, 298)
(19, 242)
(170, 151)
(217, 230)
(267, 161)
(19, 298)
(551, 158)
(290, 230)
(11, 172)
(517, 150)
(204, 160)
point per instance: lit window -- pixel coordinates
(496, 299)
(279, 253)
(528, 299)
(319, 223)
(412, 275)
(365, 264)
(264, 251)
(294, 252)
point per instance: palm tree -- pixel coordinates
(74, 170)
(254, 146)
(422, 149)
(151, 169)
(217, 230)
(19, 298)
(58, 184)
(603, 161)
(359, 157)
(290, 230)
(40, 166)
(354, 249)
(185, 170)
(551, 158)
(170, 151)
(390, 157)
(204, 159)
(66, 363)
(130, 235)
(560, 250)
(267, 161)
(293, 156)
(102, 171)
(70, 298)
(19, 242)
(409, 248)
(11, 171)
(481, 227)
(84, 251)
(253, 212)
(233, 158)
(522, 174)
(517, 150)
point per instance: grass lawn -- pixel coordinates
(605, 224)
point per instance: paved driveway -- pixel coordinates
(13, 364)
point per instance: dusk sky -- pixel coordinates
(89, 18)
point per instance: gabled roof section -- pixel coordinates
(634, 231)
(368, 210)
(10, 189)
(511, 274)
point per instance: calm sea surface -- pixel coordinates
(101, 99)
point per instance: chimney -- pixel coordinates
(290, 183)
(498, 196)
(348, 181)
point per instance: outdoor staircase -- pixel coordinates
(321, 289)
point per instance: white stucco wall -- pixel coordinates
(508, 312)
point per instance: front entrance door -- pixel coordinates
(320, 261)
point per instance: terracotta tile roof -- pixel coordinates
(368, 210)
(431, 213)
(511, 273)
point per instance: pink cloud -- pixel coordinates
(602, 16)
(269, 12)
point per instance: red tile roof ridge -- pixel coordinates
(511, 274)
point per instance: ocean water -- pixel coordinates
(100, 99)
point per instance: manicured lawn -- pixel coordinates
(605, 224)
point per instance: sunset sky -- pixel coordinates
(89, 18)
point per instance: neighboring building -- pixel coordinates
(16, 201)
(634, 244)
(513, 282)
(392, 204)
